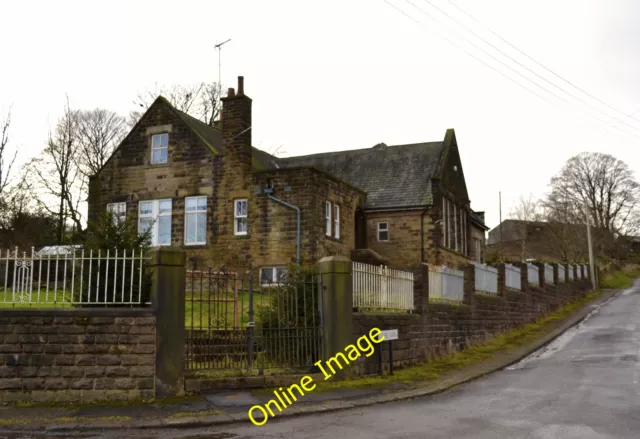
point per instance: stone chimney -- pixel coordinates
(236, 134)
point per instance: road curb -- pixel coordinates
(338, 405)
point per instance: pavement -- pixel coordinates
(589, 373)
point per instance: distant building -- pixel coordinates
(540, 240)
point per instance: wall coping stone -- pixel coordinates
(62, 312)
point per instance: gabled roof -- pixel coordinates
(393, 176)
(478, 219)
(211, 137)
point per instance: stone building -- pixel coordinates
(207, 190)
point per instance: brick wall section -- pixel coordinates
(406, 349)
(273, 226)
(403, 247)
(442, 328)
(80, 355)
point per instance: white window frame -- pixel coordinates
(327, 218)
(237, 217)
(195, 212)
(274, 275)
(444, 222)
(120, 214)
(448, 223)
(465, 232)
(155, 217)
(455, 227)
(386, 229)
(336, 221)
(159, 148)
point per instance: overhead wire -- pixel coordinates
(498, 60)
(542, 65)
(637, 136)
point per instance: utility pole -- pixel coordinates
(500, 207)
(591, 264)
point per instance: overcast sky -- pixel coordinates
(348, 74)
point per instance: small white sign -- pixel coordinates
(389, 334)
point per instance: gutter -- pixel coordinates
(297, 209)
(396, 209)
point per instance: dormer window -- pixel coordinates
(159, 148)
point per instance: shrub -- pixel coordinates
(108, 235)
(288, 327)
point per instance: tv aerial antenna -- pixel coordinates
(219, 47)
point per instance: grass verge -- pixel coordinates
(114, 404)
(620, 279)
(18, 421)
(431, 372)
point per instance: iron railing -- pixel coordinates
(548, 274)
(570, 272)
(235, 323)
(486, 278)
(75, 278)
(446, 284)
(381, 288)
(562, 273)
(533, 274)
(512, 277)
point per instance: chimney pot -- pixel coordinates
(231, 92)
(240, 85)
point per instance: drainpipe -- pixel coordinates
(422, 234)
(297, 209)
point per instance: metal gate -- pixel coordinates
(233, 322)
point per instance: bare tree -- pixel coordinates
(200, 100)
(99, 132)
(564, 235)
(6, 162)
(57, 174)
(603, 186)
(526, 210)
(22, 223)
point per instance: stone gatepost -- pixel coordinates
(337, 305)
(168, 276)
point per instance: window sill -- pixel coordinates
(245, 236)
(331, 238)
(195, 246)
(157, 165)
(455, 252)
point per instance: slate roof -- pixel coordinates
(212, 137)
(393, 176)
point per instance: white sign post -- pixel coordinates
(389, 335)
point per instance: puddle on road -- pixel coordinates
(209, 436)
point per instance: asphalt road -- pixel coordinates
(584, 385)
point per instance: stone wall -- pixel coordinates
(273, 226)
(78, 355)
(403, 246)
(436, 329)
